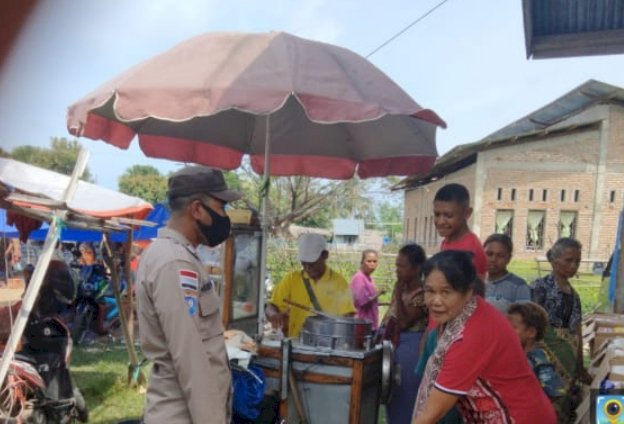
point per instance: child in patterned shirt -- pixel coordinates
(530, 321)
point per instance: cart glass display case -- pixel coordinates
(241, 279)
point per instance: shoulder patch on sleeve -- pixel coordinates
(189, 283)
(189, 280)
(191, 302)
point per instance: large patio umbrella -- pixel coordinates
(206, 101)
(295, 106)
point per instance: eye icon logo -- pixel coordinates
(610, 409)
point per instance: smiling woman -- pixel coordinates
(478, 363)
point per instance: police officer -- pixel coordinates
(178, 307)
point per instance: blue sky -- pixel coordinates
(467, 60)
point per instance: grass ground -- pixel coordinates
(101, 371)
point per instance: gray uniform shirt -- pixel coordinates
(182, 334)
(507, 290)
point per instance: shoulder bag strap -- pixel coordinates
(311, 295)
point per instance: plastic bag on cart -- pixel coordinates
(248, 385)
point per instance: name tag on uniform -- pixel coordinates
(206, 286)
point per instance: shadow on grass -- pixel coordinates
(95, 386)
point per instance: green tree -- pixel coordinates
(61, 156)
(144, 181)
(390, 220)
(304, 200)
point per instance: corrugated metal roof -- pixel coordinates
(543, 120)
(574, 16)
(561, 28)
(572, 103)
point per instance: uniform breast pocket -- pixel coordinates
(208, 304)
(209, 319)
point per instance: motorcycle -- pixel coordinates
(39, 388)
(96, 309)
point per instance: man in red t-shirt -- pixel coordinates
(451, 211)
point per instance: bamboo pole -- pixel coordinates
(130, 281)
(134, 368)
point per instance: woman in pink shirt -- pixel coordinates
(365, 293)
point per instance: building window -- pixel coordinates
(612, 196)
(504, 221)
(567, 224)
(577, 195)
(544, 195)
(563, 193)
(535, 230)
(530, 195)
(499, 194)
(513, 194)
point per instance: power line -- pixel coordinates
(420, 18)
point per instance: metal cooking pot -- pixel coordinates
(390, 373)
(340, 333)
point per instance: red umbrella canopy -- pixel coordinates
(332, 113)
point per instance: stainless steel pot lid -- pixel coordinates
(338, 319)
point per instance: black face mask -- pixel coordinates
(216, 233)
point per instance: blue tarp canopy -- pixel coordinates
(6, 230)
(159, 215)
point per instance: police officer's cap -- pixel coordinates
(200, 179)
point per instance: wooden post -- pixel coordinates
(618, 302)
(356, 392)
(227, 282)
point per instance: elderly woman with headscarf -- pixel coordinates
(562, 303)
(478, 362)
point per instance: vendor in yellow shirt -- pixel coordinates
(327, 290)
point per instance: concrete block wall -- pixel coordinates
(564, 163)
(587, 164)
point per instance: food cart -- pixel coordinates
(333, 373)
(317, 383)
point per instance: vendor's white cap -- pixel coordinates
(310, 247)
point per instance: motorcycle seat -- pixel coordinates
(24, 357)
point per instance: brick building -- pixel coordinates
(558, 171)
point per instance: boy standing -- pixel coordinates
(530, 321)
(451, 211)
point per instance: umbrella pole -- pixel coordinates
(41, 268)
(265, 224)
